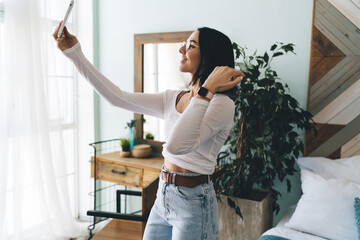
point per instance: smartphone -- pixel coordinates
(65, 18)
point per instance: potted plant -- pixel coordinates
(149, 135)
(125, 147)
(261, 147)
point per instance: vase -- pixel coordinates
(257, 216)
(131, 138)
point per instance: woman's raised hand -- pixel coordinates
(222, 79)
(66, 40)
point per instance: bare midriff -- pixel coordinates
(175, 168)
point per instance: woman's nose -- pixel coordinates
(182, 50)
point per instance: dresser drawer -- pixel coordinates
(125, 175)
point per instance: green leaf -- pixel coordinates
(266, 57)
(238, 212)
(278, 54)
(273, 47)
(288, 47)
(231, 202)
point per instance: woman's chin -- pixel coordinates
(182, 69)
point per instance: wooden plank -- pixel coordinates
(324, 3)
(352, 66)
(118, 229)
(321, 47)
(332, 76)
(351, 148)
(348, 9)
(325, 47)
(345, 22)
(153, 163)
(316, 53)
(322, 68)
(338, 104)
(335, 90)
(342, 31)
(332, 37)
(340, 73)
(149, 176)
(339, 139)
(325, 132)
(348, 113)
(168, 37)
(149, 196)
(331, 90)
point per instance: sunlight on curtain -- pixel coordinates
(35, 162)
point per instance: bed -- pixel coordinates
(329, 207)
(281, 231)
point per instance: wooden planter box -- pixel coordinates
(257, 217)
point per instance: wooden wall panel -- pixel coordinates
(325, 132)
(334, 82)
(351, 148)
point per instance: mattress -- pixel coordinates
(281, 231)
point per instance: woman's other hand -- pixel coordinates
(66, 40)
(222, 79)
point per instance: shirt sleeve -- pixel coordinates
(200, 121)
(142, 103)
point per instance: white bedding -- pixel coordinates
(281, 231)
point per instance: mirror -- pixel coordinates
(156, 69)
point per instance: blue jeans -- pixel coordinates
(182, 213)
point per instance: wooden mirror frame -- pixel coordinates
(139, 41)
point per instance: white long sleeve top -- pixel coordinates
(193, 138)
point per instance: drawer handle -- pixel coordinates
(114, 171)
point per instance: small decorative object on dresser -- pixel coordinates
(141, 151)
(149, 135)
(125, 147)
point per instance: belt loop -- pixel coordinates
(209, 179)
(173, 178)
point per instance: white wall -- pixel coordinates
(256, 24)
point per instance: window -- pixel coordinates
(76, 103)
(60, 77)
(61, 81)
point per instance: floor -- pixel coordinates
(120, 230)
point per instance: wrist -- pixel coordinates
(204, 92)
(210, 88)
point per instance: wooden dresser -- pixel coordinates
(134, 172)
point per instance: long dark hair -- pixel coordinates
(216, 50)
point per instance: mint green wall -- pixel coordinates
(252, 23)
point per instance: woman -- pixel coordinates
(197, 124)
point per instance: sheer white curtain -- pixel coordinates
(34, 198)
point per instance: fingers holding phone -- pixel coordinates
(63, 38)
(66, 40)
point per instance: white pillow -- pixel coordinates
(326, 207)
(348, 168)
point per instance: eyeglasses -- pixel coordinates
(188, 45)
